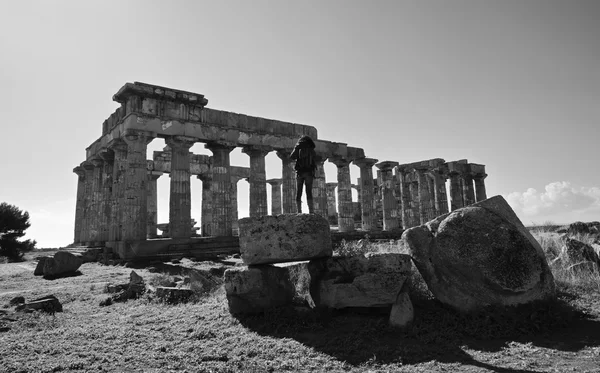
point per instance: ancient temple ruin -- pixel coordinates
(116, 190)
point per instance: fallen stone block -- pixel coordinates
(49, 304)
(284, 238)
(371, 280)
(173, 295)
(62, 263)
(480, 255)
(580, 252)
(257, 288)
(202, 282)
(39, 268)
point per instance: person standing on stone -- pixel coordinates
(306, 166)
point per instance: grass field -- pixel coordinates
(145, 335)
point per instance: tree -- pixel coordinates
(13, 223)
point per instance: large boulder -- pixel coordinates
(284, 238)
(371, 280)
(258, 288)
(480, 255)
(62, 263)
(39, 268)
(578, 253)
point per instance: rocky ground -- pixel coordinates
(147, 335)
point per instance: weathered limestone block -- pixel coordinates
(257, 288)
(373, 280)
(39, 268)
(49, 304)
(284, 238)
(173, 295)
(63, 262)
(480, 255)
(579, 255)
(402, 312)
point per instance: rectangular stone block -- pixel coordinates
(284, 238)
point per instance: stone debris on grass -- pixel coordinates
(48, 304)
(480, 255)
(284, 238)
(173, 295)
(62, 263)
(123, 292)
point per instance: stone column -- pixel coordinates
(319, 189)
(480, 193)
(135, 213)
(423, 195)
(206, 223)
(275, 196)
(79, 204)
(152, 198)
(439, 191)
(180, 204)
(344, 195)
(258, 184)
(233, 192)
(288, 176)
(96, 203)
(388, 200)
(331, 210)
(115, 228)
(367, 201)
(106, 198)
(405, 197)
(87, 203)
(220, 189)
(456, 195)
(467, 187)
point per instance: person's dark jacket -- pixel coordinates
(304, 155)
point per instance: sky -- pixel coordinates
(512, 84)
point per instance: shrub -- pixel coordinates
(13, 223)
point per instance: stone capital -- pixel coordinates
(220, 145)
(385, 166)
(284, 154)
(339, 161)
(96, 161)
(205, 177)
(256, 150)
(365, 162)
(87, 165)
(479, 176)
(132, 136)
(117, 146)
(180, 142)
(154, 175)
(107, 155)
(331, 185)
(274, 182)
(79, 171)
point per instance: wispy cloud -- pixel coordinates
(558, 198)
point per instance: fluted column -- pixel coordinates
(288, 176)
(135, 213)
(275, 196)
(423, 195)
(79, 204)
(180, 199)
(468, 190)
(87, 202)
(367, 200)
(439, 191)
(331, 203)
(96, 205)
(388, 200)
(456, 195)
(480, 193)
(319, 189)
(220, 189)
(233, 192)
(115, 229)
(258, 184)
(344, 195)
(206, 223)
(106, 197)
(152, 200)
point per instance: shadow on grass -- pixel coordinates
(436, 334)
(63, 275)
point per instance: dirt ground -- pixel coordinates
(147, 336)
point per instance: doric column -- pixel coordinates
(344, 195)
(439, 192)
(135, 213)
(288, 176)
(319, 190)
(79, 204)
(258, 184)
(233, 192)
(467, 188)
(96, 205)
(275, 196)
(405, 197)
(87, 202)
(480, 193)
(108, 157)
(331, 209)
(115, 229)
(206, 223)
(152, 200)
(388, 200)
(456, 195)
(367, 201)
(220, 189)
(180, 199)
(423, 195)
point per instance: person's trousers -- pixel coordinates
(304, 178)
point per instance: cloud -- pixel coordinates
(559, 197)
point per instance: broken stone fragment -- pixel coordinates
(402, 312)
(284, 238)
(49, 304)
(173, 295)
(62, 263)
(371, 280)
(257, 288)
(480, 255)
(39, 268)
